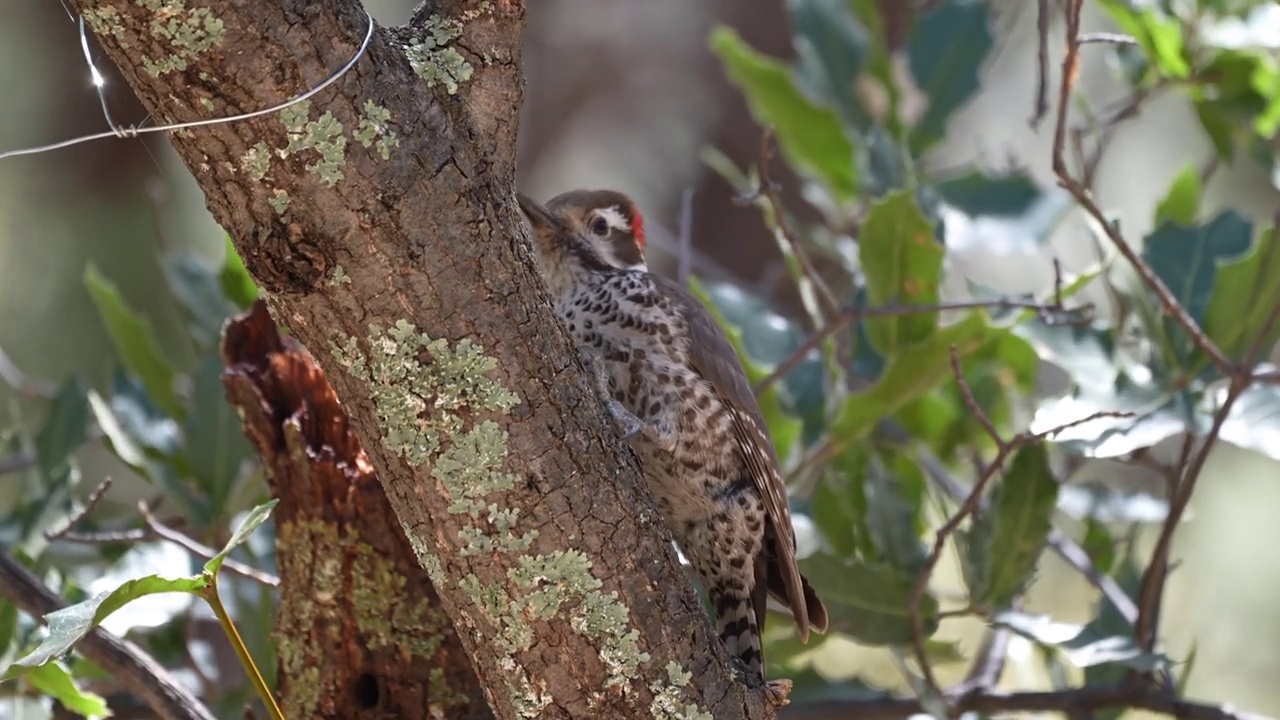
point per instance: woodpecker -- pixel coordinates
(679, 396)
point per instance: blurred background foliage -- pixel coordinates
(913, 167)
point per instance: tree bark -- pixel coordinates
(360, 628)
(379, 220)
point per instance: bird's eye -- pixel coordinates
(599, 226)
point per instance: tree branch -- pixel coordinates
(380, 221)
(986, 702)
(136, 671)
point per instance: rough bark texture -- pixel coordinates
(380, 221)
(360, 629)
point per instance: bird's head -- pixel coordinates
(610, 220)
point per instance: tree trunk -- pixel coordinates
(360, 626)
(379, 220)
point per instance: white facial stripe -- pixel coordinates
(613, 215)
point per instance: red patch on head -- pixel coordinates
(637, 225)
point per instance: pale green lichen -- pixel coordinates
(323, 135)
(339, 277)
(256, 161)
(105, 20)
(206, 103)
(279, 200)
(429, 396)
(348, 578)
(667, 703)
(373, 129)
(419, 386)
(433, 60)
(191, 32)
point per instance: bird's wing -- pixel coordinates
(715, 358)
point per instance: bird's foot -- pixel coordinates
(625, 421)
(778, 692)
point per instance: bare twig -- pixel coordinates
(137, 671)
(1083, 198)
(22, 382)
(768, 190)
(684, 261)
(164, 532)
(1151, 591)
(1108, 38)
(92, 502)
(1082, 700)
(1042, 75)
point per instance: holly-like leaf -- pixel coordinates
(1181, 204)
(70, 624)
(1243, 297)
(198, 289)
(54, 681)
(908, 376)
(892, 518)
(903, 265)
(237, 285)
(1254, 422)
(811, 137)
(868, 602)
(64, 428)
(832, 47)
(256, 517)
(945, 52)
(976, 193)
(134, 341)
(1187, 260)
(839, 506)
(216, 445)
(1014, 529)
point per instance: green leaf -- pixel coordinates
(976, 193)
(53, 680)
(196, 286)
(839, 506)
(1244, 294)
(256, 517)
(1219, 128)
(1099, 545)
(8, 626)
(1181, 204)
(235, 280)
(1187, 260)
(134, 341)
(122, 444)
(812, 138)
(892, 518)
(1014, 529)
(64, 428)
(867, 601)
(1160, 36)
(216, 445)
(945, 52)
(68, 625)
(832, 47)
(908, 376)
(903, 265)
(1255, 421)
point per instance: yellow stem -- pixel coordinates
(210, 596)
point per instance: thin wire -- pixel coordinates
(99, 82)
(134, 131)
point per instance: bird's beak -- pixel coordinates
(543, 222)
